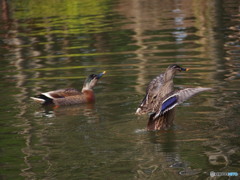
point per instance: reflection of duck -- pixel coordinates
(71, 96)
(85, 112)
(160, 99)
(73, 110)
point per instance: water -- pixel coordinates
(47, 45)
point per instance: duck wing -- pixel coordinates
(177, 98)
(61, 93)
(48, 97)
(149, 101)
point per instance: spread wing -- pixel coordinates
(176, 98)
(149, 101)
(61, 93)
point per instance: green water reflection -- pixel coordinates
(45, 45)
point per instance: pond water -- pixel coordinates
(47, 45)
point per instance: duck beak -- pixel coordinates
(184, 69)
(100, 75)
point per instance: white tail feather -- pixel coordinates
(48, 94)
(39, 100)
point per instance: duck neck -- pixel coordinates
(168, 76)
(168, 82)
(89, 95)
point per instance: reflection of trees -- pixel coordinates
(156, 156)
(161, 28)
(226, 147)
(12, 44)
(209, 23)
(5, 11)
(46, 37)
(165, 39)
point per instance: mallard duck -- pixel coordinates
(161, 98)
(71, 96)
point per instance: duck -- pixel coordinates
(70, 96)
(161, 98)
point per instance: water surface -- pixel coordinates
(46, 45)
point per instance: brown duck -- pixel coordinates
(161, 98)
(70, 96)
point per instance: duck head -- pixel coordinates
(172, 70)
(91, 81)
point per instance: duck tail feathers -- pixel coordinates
(38, 100)
(42, 99)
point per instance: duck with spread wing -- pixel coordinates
(161, 98)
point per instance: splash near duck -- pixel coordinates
(161, 98)
(71, 96)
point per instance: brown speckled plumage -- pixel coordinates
(160, 99)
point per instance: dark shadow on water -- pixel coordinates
(87, 110)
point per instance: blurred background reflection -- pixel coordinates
(46, 45)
